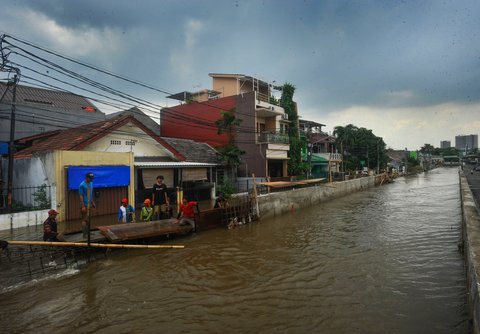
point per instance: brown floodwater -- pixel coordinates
(383, 260)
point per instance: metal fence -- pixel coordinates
(245, 185)
(27, 198)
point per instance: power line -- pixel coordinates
(88, 65)
(199, 122)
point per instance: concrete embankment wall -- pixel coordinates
(22, 219)
(471, 244)
(270, 205)
(279, 203)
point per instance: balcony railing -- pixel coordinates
(330, 156)
(263, 97)
(272, 138)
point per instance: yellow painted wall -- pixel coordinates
(227, 86)
(89, 158)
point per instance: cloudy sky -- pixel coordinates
(408, 70)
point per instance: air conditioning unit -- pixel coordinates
(285, 116)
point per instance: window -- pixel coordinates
(115, 142)
(130, 142)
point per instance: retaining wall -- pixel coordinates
(471, 248)
(270, 205)
(279, 203)
(22, 219)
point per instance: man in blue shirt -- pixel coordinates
(87, 201)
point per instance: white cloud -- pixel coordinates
(409, 127)
(183, 58)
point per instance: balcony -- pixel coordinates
(265, 109)
(335, 157)
(272, 138)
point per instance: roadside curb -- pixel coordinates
(471, 249)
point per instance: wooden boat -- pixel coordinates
(132, 231)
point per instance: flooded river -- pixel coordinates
(380, 261)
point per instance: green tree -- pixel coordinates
(40, 197)
(295, 164)
(360, 148)
(230, 154)
(226, 187)
(227, 124)
(427, 149)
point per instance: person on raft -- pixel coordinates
(126, 213)
(187, 213)
(50, 227)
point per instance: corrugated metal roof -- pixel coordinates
(175, 164)
(194, 151)
(69, 102)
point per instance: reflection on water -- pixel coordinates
(383, 260)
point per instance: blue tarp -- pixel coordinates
(4, 148)
(104, 176)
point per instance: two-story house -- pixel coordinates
(261, 134)
(319, 150)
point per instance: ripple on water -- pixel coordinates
(382, 260)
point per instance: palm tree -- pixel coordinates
(227, 124)
(230, 154)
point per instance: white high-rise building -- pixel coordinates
(466, 142)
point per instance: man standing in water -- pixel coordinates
(87, 202)
(159, 199)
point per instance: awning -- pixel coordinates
(315, 159)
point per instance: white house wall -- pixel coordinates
(30, 172)
(118, 141)
(274, 154)
(33, 172)
(278, 147)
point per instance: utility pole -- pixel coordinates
(343, 158)
(11, 147)
(378, 158)
(368, 159)
(309, 149)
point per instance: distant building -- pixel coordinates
(41, 110)
(318, 149)
(466, 142)
(445, 144)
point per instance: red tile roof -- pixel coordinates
(76, 139)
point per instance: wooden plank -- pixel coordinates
(83, 244)
(95, 236)
(313, 180)
(284, 184)
(209, 218)
(131, 231)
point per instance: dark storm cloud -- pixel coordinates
(337, 53)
